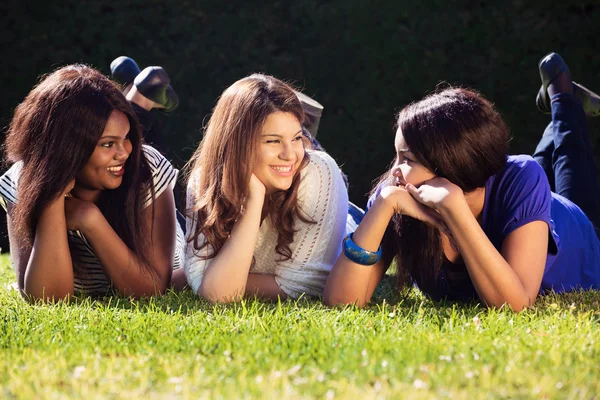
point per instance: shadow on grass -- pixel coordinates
(411, 299)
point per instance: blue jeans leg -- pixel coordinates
(543, 155)
(575, 173)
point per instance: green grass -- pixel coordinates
(402, 346)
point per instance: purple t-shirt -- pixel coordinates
(520, 194)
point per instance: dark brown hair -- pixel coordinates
(221, 167)
(54, 131)
(458, 135)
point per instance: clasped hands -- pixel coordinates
(426, 202)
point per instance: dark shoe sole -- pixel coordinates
(550, 66)
(124, 70)
(153, 83)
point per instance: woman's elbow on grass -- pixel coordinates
(218, 298)
(41, 296)
(215, 295)
(517, 305)
(521, 305)
(157, 286)
(333, 299)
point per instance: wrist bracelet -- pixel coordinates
(359, 255)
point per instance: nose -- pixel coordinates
(396, 170)
(123, 151)
(287, 151)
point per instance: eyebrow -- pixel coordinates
(278, 135)
(112, 136)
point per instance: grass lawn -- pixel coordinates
(400, 347)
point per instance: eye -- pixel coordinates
(272, 141)
(298, 138)
(107, 144)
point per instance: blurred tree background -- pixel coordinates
(362, 60)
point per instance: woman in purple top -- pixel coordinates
(465, 220)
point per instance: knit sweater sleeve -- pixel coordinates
(323, 198)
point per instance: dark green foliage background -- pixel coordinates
(362, 60)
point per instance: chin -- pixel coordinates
(113, 186)
(279, 188)
(286, 187)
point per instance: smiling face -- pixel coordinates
(106, 167)
(280, 151)
(406, 168)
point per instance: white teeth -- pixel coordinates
(115, 169)
(282, 169)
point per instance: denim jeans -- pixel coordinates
(565, 154)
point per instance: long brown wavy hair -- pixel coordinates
(54, 132)
(458, 134)
(221, 167)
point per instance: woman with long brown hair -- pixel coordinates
(466, 221)
(265, 216)
(89, 207)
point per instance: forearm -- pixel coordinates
(226, 277)
(127, 272)
(495, 281)
(350, 282)
(264, 286)
(49, 271)
(130, 274)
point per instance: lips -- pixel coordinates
(117, 170)
(284, 170)
(399, 182)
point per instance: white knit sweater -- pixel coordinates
(323, 197)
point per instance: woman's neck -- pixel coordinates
(91, 195)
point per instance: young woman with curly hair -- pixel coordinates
(266, 215)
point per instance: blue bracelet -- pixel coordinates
(359, 255)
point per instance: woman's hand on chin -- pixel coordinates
(80, 215)
(257, 188)
(436, 193)
(403, 203)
